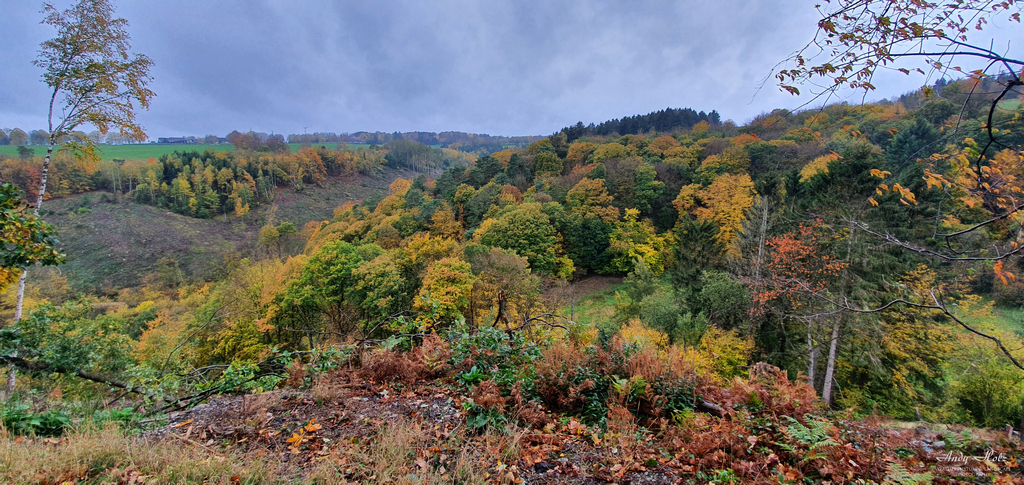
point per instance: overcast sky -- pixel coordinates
(502, 68)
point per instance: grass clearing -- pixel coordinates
(595, 301)
(113, 243)
(1001, 318)
(1010, 104)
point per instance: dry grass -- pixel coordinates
(252, 410)
(402, 452)
(323, 390)
(406, 452)
(108, 456)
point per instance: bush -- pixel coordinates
(635, 332)
(66, 339)
(506, 359)
(384, 365)
(729, 351)
(690, 329)
(660, 311)
(576, 380)
(487, 408)
(585, 381)
(19, 420)
(990, 392)
(723, 299)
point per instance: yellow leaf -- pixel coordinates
(873, 201)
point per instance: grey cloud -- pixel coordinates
(491, 67)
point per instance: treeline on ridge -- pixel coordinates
(664, 121)
(206, 184)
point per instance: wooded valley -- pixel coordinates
(824, 242)
(829, 294)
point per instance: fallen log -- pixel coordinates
(710, 408)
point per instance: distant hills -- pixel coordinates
(666, 120)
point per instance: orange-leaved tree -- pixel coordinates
(794, 281)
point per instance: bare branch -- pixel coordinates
(938, 306)
(922, 250)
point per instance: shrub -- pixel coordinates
(724, 300)
(672, 378)
(635, 332)
(585, 381)
(383, 365)
(19, 420)
(577, 380)
(487, 408)
(660, 311)
(728, 351)
(690, 329)
(506, 359)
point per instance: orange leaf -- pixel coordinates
(312, 427)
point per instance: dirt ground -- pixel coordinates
(344, 416)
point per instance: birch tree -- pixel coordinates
(94, 79)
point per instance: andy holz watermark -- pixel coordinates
(959, 462)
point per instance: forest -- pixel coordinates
(823, 294)
(821, 243)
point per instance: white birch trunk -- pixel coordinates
(826, 388)
(11, 375)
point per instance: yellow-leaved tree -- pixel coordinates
(589, 198)
(724, 202)
(444, 296)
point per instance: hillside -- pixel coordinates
(719, 303)
(114, 243)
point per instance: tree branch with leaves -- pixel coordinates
(856, 39)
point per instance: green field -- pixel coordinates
(145, 151)
(1010, 104)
